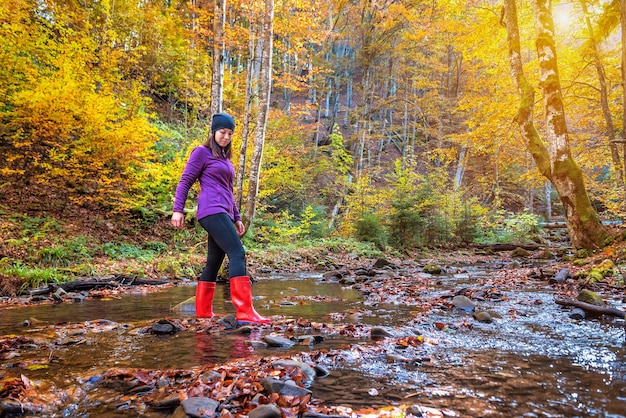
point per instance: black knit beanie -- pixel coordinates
(221, 121)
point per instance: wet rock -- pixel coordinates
(334, 275)
(256, 344)
(306, 340)
(308, 371)
(577, 313)
(265, 411)
(210, 376)
(140, 389)
(273, 385)
(163, 326)
(228, 322)
(432, 269)
(59, 294)
(464, 303)
(75, 297)
(320, 415)
(169, 402)
(379, 332)
(277, 341)
(321, 371)
(196, 408)
(361, 278)
(396, 358)
(483, 316)
(590, 297)
(186, 306)
(348, 280)
(244, 329)
(382, 262)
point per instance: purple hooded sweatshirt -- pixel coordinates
(216, 176)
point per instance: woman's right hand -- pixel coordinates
(178, 219)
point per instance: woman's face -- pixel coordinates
(223, 137)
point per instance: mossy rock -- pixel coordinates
(590, 297)
(581, 262)
(432, 269)
(606, 267)
(595, 275)
(581, 253)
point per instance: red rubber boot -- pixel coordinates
(241, 295)
(204, 299)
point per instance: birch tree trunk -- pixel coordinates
(264, 102)
(217, 82)
(251, 85)
(555, 162)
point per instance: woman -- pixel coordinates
(217, 212)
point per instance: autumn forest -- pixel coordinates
(398, 123)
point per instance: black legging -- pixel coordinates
(223, 240)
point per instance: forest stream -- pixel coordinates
(529, 358)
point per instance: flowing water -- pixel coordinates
(532, 361)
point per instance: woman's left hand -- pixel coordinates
(240, 228)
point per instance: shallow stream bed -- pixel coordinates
(532, 360)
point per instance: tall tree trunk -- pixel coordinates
(548, 190)
(251, 84)
(264, 104)
(555, 162)
(217, 82)
(623, 27)
(604, 100)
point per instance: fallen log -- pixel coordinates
(112, 281)
(587, 307)
(508, 247)
(561, 276)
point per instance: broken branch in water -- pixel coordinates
(587, 307)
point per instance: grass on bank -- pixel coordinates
(36, 251)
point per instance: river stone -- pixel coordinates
(273, 385)
(163, 326)
(590, 297)
(321, 371)
(577, 313)
(308, 371)
(348, 280)
(186, 306)
(379, 332)
(228, 322)
(463, 302)
(196, 408)
(169, 402)
(265, 411)
(382, 262)
(256, 344)
(244, 329)
(483, 316)
(333, 275)
(276, 341)
(432, 269)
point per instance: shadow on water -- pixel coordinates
(531, 361)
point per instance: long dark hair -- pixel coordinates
(216, 150)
